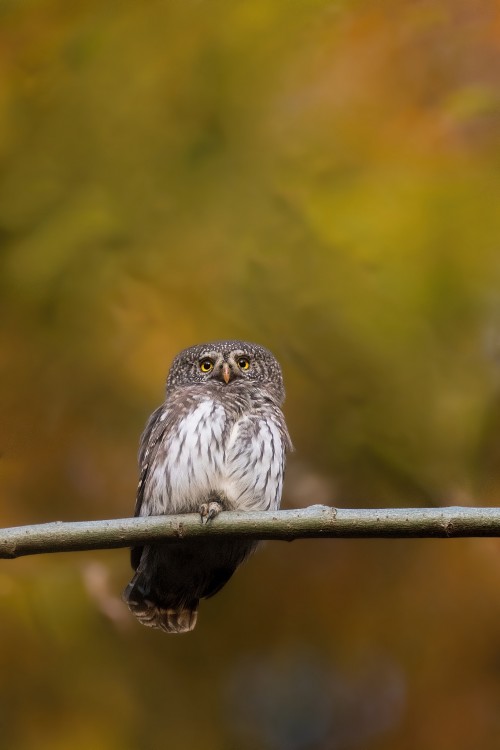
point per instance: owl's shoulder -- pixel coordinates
(213, 402)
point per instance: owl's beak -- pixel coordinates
(226, 373)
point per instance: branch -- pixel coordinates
(317, 521)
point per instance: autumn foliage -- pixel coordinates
(320, 177)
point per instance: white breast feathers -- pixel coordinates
(205, 455)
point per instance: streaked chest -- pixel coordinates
(212, 450)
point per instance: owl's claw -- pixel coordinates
(209, 511)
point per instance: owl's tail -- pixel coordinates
(153, 615)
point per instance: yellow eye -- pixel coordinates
(206, 365)
(243, 363)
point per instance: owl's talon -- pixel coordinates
(209, 511)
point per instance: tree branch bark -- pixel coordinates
(317, 521)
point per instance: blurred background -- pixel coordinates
(322, 178)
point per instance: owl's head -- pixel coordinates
(227, 364)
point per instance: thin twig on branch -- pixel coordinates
(317, 521)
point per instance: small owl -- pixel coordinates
(218, 442)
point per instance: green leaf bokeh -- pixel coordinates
(322, 178)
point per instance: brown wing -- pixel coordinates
(156, 426)
(150, 439)
(161, 422)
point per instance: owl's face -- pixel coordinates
(226, 364)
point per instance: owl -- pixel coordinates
(218, 442)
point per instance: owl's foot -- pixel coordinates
(209, 510)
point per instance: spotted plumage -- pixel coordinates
(218, 442)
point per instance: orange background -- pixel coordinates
(322, 178)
